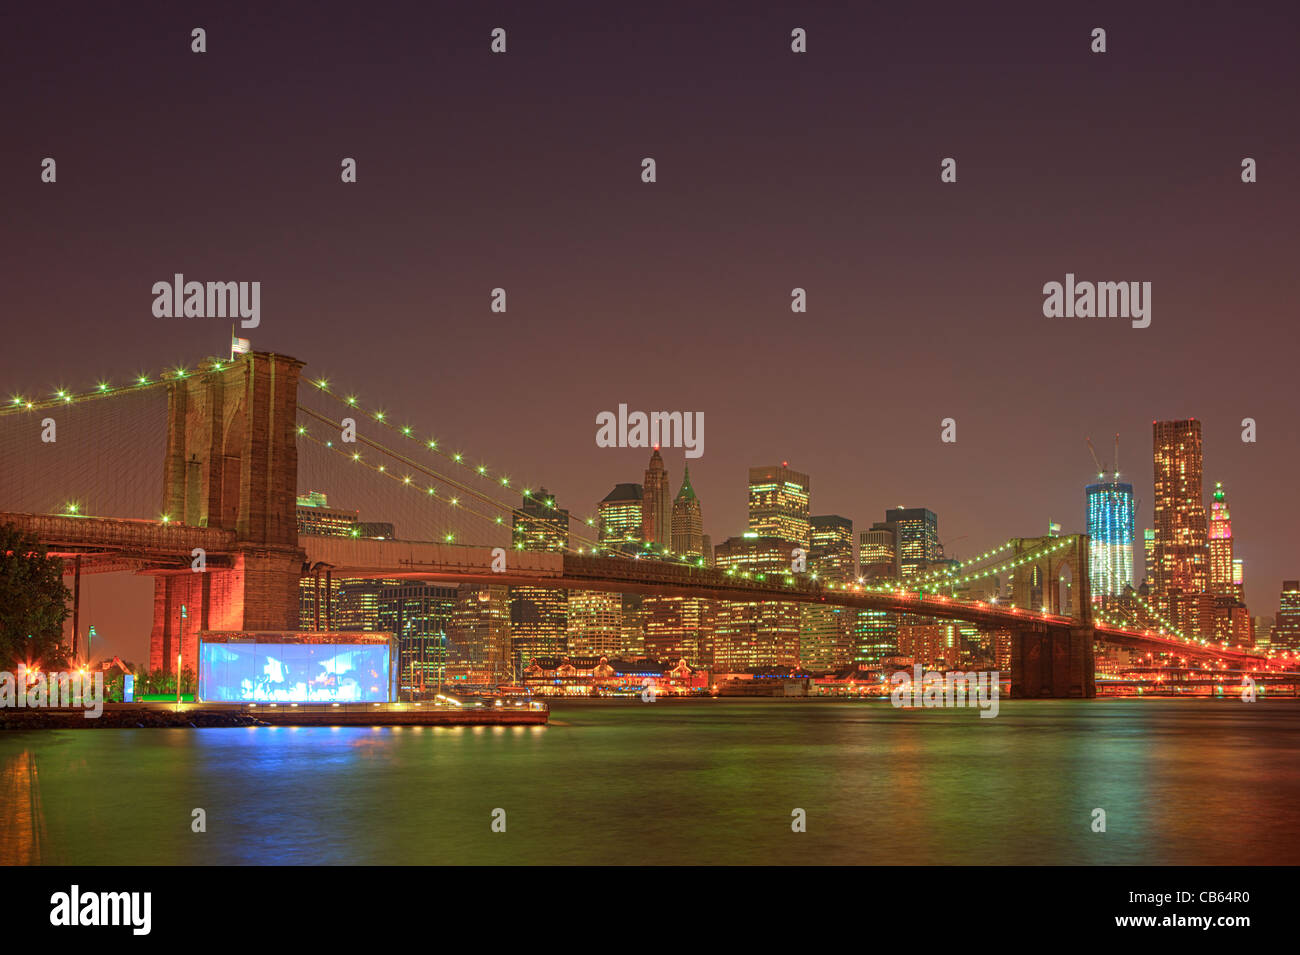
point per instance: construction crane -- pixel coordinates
(1101, 468)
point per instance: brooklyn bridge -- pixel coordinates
(225, 552)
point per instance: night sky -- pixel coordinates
(775, 170)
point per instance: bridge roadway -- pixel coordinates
(114, 544)
(450, 563)
(110, 544)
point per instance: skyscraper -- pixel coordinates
(1220, 535)
(682, 627)
(916, 539)
(1148, 557)
(656, 506)
(679, 628)
(755, 633)
(875, 636)
(688, 521)
(318, 593)
(1110, 533)
(538, 624)
(830, 555)
(1181, 549)
(877, 552)
(1286, 628)
(418, 614)
(620, 514)
(478, 641)
(595, 622)
(826, 633)
(778, 504)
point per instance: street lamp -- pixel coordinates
(184, 616)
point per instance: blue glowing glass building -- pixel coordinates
(1110, 532)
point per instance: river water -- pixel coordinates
(707, 781)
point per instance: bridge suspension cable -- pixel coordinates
(481, 472)
(62, 397)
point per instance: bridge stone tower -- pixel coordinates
(231, 464)
(1048, 658)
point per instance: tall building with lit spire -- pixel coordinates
(679, 628)
(656, 504)
(1220, 534)
(688, 521)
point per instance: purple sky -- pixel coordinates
(775, 170)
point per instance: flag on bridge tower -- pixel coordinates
(238, 346)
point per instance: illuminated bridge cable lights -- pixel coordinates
(447, 536)
(961, 565)
(406, 431)
(62, 397)
(480, 470)
(416, 466)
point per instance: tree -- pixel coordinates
(33, 602)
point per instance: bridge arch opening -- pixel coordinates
(1065, 591)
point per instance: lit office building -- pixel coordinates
(317, 519)
(632, 630)
(1263, 630)
(916, 539)
(1239, 579)
(679, 628)
(1286, 627)
(751, 634)
(657, 504)
(826, 634)
(1181, 550)
(875, 637)
(538, 615)
(478, 641)
(830, 555)
(418, 614)
(877, 552)
(826, 637)
(934, 644)
(356, 604)
(620, 514)
(1110, 537)
(1148, 557)
(1232, 623)
(778, 504)
(595, 620)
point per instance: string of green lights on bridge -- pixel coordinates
(62, 397)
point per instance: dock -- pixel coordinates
(203, 715)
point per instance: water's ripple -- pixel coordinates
(705, 781)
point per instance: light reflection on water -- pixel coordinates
(704, 781)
